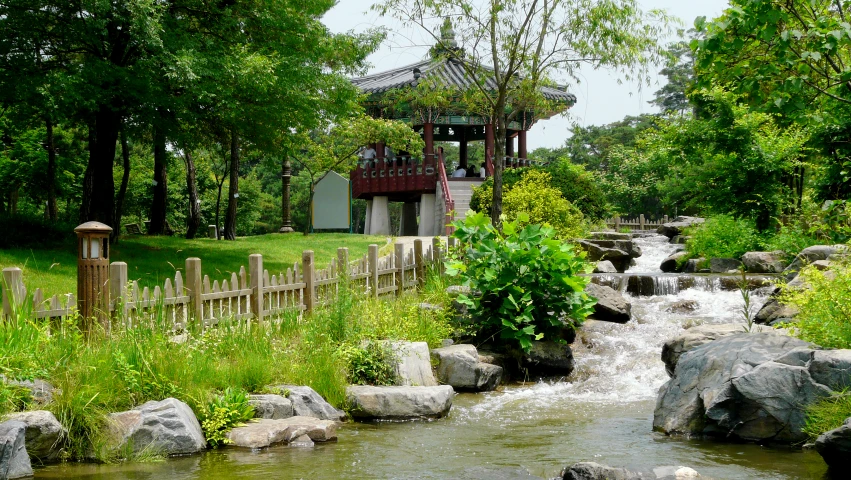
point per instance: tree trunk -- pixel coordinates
(52, 210)
(498, 161)
(159, 203)
(233, 188)
(86, 202)
(194, 220)
(101, 206)
(309, 222)
(125, 180)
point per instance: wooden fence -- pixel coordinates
(253, 294)
(635, 223)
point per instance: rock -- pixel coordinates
(611, 305)
(627, 246)
(605, 266)
(168, 427)
(692, 265)
(724, 265)
(683, 306)
(41, 391)
(413, 364)
(671, 264)
(44, 435)
(772, 311)
(835, 445)
(429, 307)
(302, 441)
(502, 473)
(447, 342)
(672, 229)
(749, 386)
(455, 290)
(810, 255)
(822, 265)
(307, 403)
(764, 262)
(459, 366)
(675, 473)
(609, 236)
(399, 403)
(549, 358)
(619, 258)
(680, 239)
(14, 460)
(271, 406)
(265, 432)
(595, 471)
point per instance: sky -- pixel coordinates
(601, 99)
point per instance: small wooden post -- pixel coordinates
(618, 223)
(436, 245)
(373, 269)
(13, 290)
(343, 262)
(399, 254)
(118, 290)
(193, 287)
(93, 273)
(665, 219)
(255, 271)
(641, 222)
(419, 261)
(309, 271)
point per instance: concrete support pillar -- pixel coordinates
(428, 225)
(409, 219)
(379, 218)
(521, 144)
(368, 215)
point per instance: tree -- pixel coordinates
(513, 47)
(591, 146)
(672, 98)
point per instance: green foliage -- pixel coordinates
(722, 236)
(371, 363)
(534, 200)
(529, 283)
(825, 307)
(828, 413)
(592, 146)
(14, 398)
(579, 187)
(224, 412)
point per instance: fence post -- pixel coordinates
(373, 269)
(13, 282)
(399, 254)
(255, 271)
(641, 222)
(436, 245)
(193, 285)
(343, 262)
(309, 271)
(419, 261)
(118, 290)
(618, 223)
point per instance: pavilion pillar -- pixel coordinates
(521, 144)
(489, 142)
(428, 219)
(409, 219)
(379, 150)
(462, 147)
(379, 216)
(366, 222)
(428, 138)
(509, 144)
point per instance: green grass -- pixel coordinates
(151, 260)
(827, 414)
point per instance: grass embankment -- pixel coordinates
(150, 260)
(117, 371)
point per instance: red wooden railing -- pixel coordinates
(402, 174)
(447, 196)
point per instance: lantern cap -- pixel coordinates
(93, 227)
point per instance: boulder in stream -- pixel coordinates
(810, 255)
(611, 305)
(459, 366)
(619, 258)
(44, 435)
(672, 229)
(596, 471)
(266, 432)
(399, 403)
(271, 406)
(548, 359)
(609, 236)
(168, 427)
(605, 266)
(724, 265)
(683, 306)
(14, 460)
(307, 403)
(672, 263)
(835, 446)
(413, 364)
(764, 262)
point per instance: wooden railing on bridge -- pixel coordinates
(635, 223)
(449, 203)
(400, 174)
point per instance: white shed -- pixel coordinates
(332, 202)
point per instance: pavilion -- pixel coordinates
(413, 178)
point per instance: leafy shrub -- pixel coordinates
(370, 364)
(529, 280)
(482, 197)
(790, 239)
(722, 236)
(540, 203)
(224, 412)
(32, 230)
(825, 307)
(14, 398)
(827, 414)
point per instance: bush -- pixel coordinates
(722, 236)
(224, 412)
(529, 280)
(370, 364)
(825, 307)
(32, 231)
(534, 198)
(827, 414)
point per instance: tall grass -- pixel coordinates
(827, 414)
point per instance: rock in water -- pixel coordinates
(764, 262)
(749, 386)
(610, 236)
(683, 306)
(308, 403)
(835, 445)
(611, 305)
(772, 310)
(459, 366)
(672, 229)
(605, 266)
(168, 427)
(271, 406)
(413, 364)
(596, 471)
(549, 358)
(14, 460)
(266, 432)
(671, 264)
(724, 265)
(399, 403)
(44, 434)
(619, 258)
(810, 255)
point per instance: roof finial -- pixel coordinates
(447, 46)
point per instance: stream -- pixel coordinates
(603, 413)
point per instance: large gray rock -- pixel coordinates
(167, 427)
(810, 255)
(835, 445)
(749, 386)
(764, 262)
(459, 366)
(619, 258)
(724, 265)
(693, 265)
(609, 236)
(627, 246)
(399, 403)
(611, 305)
(271, 406)
(596, 471)
(683, 306)
(307, 403)
(44, 434)
(672, 229)
(672, 263)
(14, 461)
(413, 364)
(605, 266)
(41, 391)
(265, 432)
(772, 311)
(549, 359)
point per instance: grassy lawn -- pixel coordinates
(150, 260)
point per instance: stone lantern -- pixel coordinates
(93, 271)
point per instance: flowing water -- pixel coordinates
(603, 412)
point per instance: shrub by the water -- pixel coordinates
(723, 236)
(534, 200)
(825, 307)
(224, 412)
(529, 283)
(372, 363)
